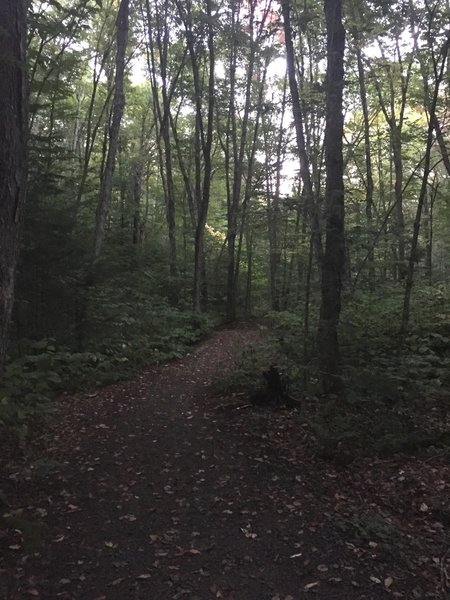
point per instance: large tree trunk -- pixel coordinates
(117, 112)
(13, 134)
(334, 255)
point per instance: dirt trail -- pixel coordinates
(147, 491)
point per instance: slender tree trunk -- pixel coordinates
(203, 147)
(239, 144)
(442, 145)
(158, 47)
(439, 71)
(398, 195)
(395, 116)
(136, 201)
(117, 112)
(273, 214)
(248, 287)
(300, 135)
(92, 126)
(13, 143)
(368, 156)
(334, 255)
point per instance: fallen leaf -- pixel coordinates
(310, 586)
(388, 582)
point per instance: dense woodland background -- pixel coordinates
(179, 176)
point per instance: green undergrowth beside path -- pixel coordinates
(121, 340)
(397, 396)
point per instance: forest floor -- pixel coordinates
(157, 488)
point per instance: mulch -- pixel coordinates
(158, 489)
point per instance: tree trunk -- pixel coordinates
(334, 255)
(439, 74)
(117, 112)
(300, 136)
(203, 146)
(13, 143)
(162, 92)
(368, 156)
(273, 215)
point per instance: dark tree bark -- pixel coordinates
(114, 130)
(334, 254)
(13, 143)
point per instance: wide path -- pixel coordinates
(156, 489)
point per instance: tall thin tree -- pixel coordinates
(114, 130)
(13, 134)
(334, 254)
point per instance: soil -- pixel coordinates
(158, 489)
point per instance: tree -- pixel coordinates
(162, 91)
(114, 130)
(439, 62)
(369, 183)
(334, 254)
(204, 122)
(13, 142)
(305, 171)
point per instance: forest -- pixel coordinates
(266, 177)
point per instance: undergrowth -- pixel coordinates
(122, 339)
(396, 398)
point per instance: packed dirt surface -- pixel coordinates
(159, 489)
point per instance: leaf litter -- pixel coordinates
(158, 494)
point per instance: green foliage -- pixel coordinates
(385, 383)
(376, 363)
(123, 343)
